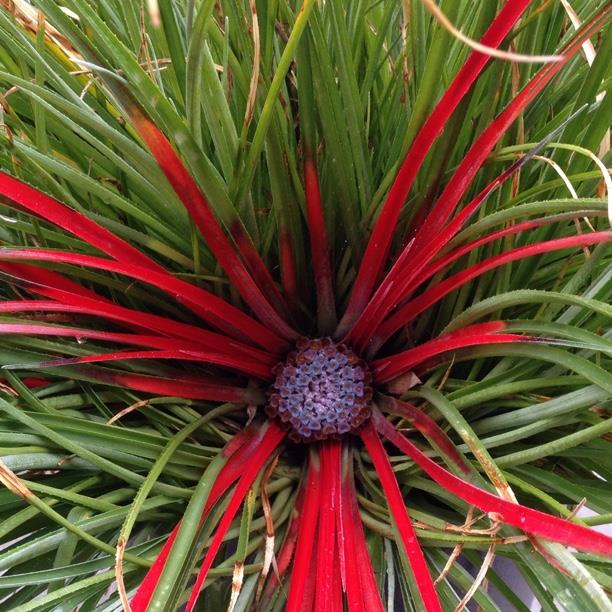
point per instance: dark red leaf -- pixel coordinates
(319, 248)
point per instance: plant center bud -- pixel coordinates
(321, 391)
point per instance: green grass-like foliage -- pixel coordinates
(288, 124)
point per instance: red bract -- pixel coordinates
(200, 211)
(380, 240)
(323, 561)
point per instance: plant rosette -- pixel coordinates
(304, 306)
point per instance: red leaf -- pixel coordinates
(319, 248)
(306, 535)
(239, 365)
(485, 143)
(259, 270)
(140, 601)
(310, 588)
(361, 583)
(271, 439)
(54, 285)
(190, 388)
(387, 368)
(337, 600)
(529, 520)
(414, 307)
(349, 570)
(401, 277)
(72, 221)
(215, 310)
(199, 208)
(234, 451)
(396, 504)
(384, 230)
(39, 280)
(200, 338)
(430, 242)
(329, 454)
(426, 425)
(449, 258)
(170, 348)
(430, 239)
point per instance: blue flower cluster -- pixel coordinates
(322, 390)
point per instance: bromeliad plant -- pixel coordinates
(304, 300)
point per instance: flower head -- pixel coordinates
(323, 270)
(322, 390)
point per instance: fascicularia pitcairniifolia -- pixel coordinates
(335, 388)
